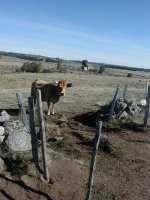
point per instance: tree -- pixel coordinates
(129, 75)
(101, 69)
(85, 64)
(59, 64)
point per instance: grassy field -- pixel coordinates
(122, 171)
(88, 89)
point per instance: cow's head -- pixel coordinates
(62, 85)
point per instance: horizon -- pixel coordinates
(115, 32)
(97, 63)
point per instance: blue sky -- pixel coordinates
(109, 31)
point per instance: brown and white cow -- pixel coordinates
(50, 92)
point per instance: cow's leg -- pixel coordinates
(49, 108)
(53, 111)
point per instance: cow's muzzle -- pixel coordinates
(62, 94)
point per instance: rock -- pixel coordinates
(57, 138)
(4, 116)
(2, 165)
(133, 108)
(124, 115)
(18, 137)
(142, 103)
(2, 130)
(120, 106)
(2, 137)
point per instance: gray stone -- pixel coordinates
(18, 138)
(2, 165)
(4, 116)
(124, 115)
(142, 103)
(2, 130)
(2, 137)
(120, 106)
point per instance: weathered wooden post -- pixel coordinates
(113, 104)
(32, 130)
(93, 160)
(124, 93)
(42, 135)
(22, 109)
(147, 108)
(146, 88)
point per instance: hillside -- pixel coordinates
(50, 59)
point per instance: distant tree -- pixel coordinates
(129, 75)
(85, 64)
(59, 64)
(101, 69)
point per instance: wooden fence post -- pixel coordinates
(22, 109)
(113, 104)
(42, 135)
(93, 160)
(146, 88)
(32, 130)
(124, 93)
(147, 108)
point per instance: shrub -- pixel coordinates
(129, 75)
(84, 64)
(59, 65)
(101, 70)
(31, 67)
(48, 70)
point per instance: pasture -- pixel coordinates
(122, 170)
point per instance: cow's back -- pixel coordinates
(49, 91)
(38, 84)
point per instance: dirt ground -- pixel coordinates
(123, 161)
(122, 169)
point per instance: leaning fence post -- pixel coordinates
(22, 109)
(124, 93)
(113, 104)
(42, 135)
(32, 130)
(147, 108)
(93, 160)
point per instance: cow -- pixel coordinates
(50, 92)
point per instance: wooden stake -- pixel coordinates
(42, 135)
(146, 88)
(22, 109)
(93, 160)
(147, 108)
(113, 104)
(124, 93)
(32, 130)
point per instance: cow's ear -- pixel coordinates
(69, 84)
